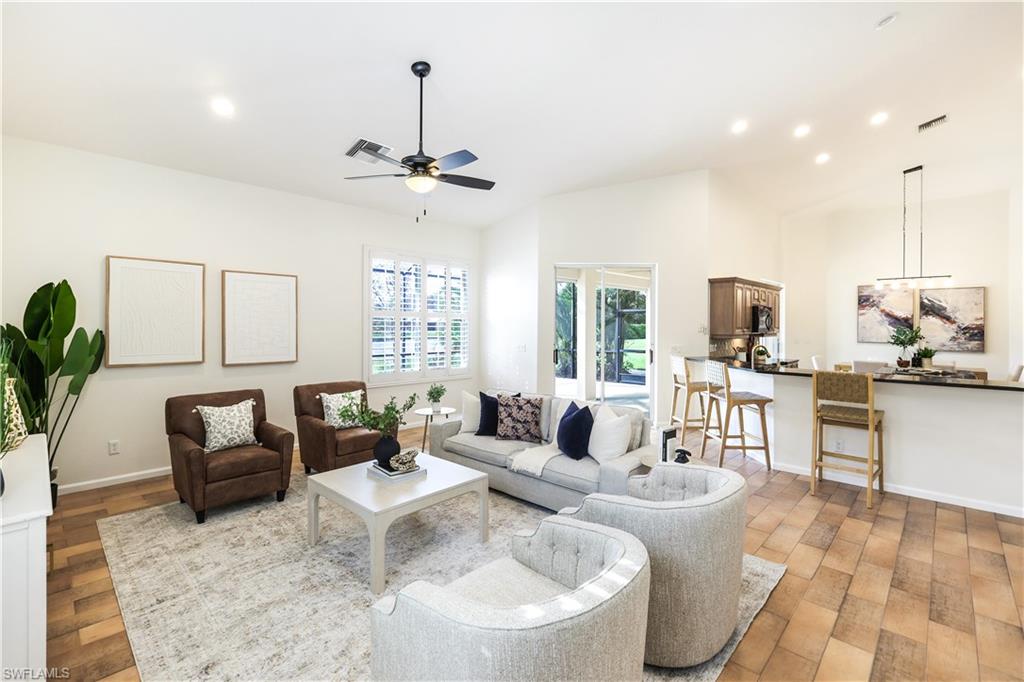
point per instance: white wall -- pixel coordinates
(65, 210)
(683, 225)
(827, 253)
(508, 257)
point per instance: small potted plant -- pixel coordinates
(387, 421)
(434, 395)
(904, 338)
(926, 354)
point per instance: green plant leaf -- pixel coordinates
(63, 310)
(96, 348)
(37, 312)
(78, 358)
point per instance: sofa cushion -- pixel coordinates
(355, 440)
(574, 431)
(229, 426)
(333, 402)
(581, 475)
(249, 459)
(519, 418)
(487, 449)
(519, 585)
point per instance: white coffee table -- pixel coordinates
(379, 502)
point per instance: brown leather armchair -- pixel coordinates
(321, 446)
(210, 479)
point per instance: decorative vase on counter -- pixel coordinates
(926, 363)
(386, 448)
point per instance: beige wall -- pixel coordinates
(65, 210)
(827, 253)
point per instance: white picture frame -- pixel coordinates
(155, 312)
(259, 318)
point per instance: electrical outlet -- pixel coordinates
(702, 329)
(113, 447)
(839, 444)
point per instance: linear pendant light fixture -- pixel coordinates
(921, 278)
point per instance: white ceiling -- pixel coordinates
(551, 97)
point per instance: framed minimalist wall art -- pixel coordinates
(260, 316)
(880, 311)
(155, 312)
(953, 319)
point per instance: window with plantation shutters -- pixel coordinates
(418, 318)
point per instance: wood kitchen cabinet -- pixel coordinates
(730, 303)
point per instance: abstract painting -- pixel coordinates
(155, 312)
(953, 319)
(880, 311)
(259, 318)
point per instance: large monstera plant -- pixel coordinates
(51, 371)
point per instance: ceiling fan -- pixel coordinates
(422, 172)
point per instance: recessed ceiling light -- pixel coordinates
(822, 158)
(879, 118)
(802, 130)
(886, 21)
(222, 106)
(739, 127)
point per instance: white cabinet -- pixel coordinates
(24, 507)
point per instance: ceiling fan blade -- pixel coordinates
(386, 175)
(454, 160)
(465, 181)
(383, 157)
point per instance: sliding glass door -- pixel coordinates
(602, 341)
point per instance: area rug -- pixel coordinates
(244, 597)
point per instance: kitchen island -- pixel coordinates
(949, 439)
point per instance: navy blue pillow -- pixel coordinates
(489, 415)
(574, 431)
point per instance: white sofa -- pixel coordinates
(569, 604)
(564, 481)
(691, 518)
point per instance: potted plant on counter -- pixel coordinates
(434, 395)
(387, 421)
(904, 338)
(926, 354)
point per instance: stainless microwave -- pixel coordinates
(762, 320)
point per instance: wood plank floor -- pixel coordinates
(908, 590)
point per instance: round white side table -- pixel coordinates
(429, 414)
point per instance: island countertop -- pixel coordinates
(788, 368)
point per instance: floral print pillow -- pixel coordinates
(333, 403)
(228, 427)
(519, 418)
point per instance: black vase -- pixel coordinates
(386, 448)
(1, 483)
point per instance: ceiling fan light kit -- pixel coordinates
(423, 172)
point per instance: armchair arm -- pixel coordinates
(188, 467)
(442, 431)
(275, 438)
(614, 474)
(317, 442)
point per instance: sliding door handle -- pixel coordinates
(554, 356)
(650, 356)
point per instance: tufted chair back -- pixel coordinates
(691, 518)
(676, 483)
(565, 553)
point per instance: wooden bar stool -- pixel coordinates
(834, 399)
(683, 381)
(719, 390)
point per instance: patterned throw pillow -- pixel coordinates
(228, 427)
(519, 418)
(333, 402)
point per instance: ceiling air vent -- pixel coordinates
(934, 123)
(359, 150)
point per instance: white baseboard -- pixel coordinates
(67, 489)
(852, 479)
